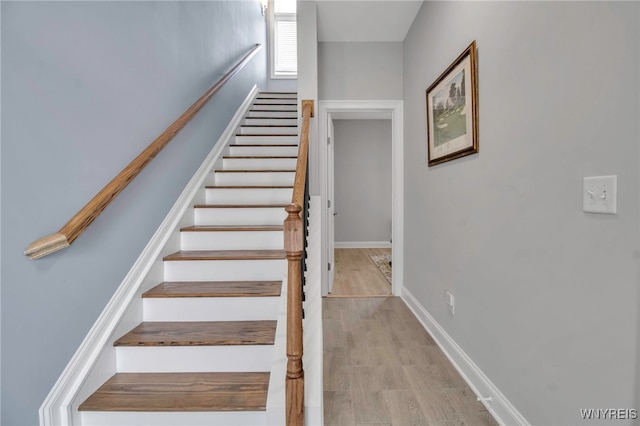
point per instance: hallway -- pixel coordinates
(357, 275)
(381, 367)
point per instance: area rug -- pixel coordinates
(382, 262)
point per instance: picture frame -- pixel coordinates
(452, 110)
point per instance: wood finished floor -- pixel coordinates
(382, 368)
(357, 275)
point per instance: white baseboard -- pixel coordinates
(57, 407)
(498, 405)
(362, 244)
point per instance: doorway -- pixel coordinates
(359, 110)
(362, 207)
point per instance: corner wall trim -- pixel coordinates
(362, 244)
(499, 406)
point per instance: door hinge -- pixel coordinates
(328, 204)
(328, 140)
(328, 266)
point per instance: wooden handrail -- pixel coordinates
(78, 223)
(294, 248)
(303, 150)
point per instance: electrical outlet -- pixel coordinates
(448, 296)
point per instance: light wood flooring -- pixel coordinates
(357, 275)
(382, 368)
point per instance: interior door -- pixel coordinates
(331, 212)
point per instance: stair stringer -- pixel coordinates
(95, 359)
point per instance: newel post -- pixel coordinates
(293, 245)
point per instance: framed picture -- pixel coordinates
(452, 110)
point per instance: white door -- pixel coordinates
(331, 212)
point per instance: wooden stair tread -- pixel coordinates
(277, 93)
(200, 333)
(226, 255)
(269, 118)
(240, 206)
(255, 171)
(215, 289)
(181, 392)
(259, 157)
(263, 145)
(227, 228)
(269, 125)
(268, 134)
(272, 110)
(249, 187)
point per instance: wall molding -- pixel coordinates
(499, 406)
(57, 407)
(363, 244)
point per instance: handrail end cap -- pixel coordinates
(46, 245)
(310, 103)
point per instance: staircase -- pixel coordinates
(203, 353)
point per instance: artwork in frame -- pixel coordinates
(452, 110)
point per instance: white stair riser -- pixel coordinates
(251, 179)
(240, 216)
(192, 359)
(266, 140)
(227, 418)
(292, 95)
(224, 270)
(248, 195)
(280, 130)
(271, 121)
(259, 163)
(210, 308)
(278, 100)
(287, 114)
(270, 107)
(284, 151)
(232, 240)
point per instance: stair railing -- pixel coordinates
(78, 223)
(294, 245)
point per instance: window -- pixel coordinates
(284, 53)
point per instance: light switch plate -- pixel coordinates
(599, 194)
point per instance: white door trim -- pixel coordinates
(362, 110)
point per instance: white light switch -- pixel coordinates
(599, 194)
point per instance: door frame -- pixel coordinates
(393, 110)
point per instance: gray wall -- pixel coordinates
(546, 296)
(86, 86)
(282, 85)
(358, 70)
(362, 170)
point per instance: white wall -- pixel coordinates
(86, 87)
(362, 173)
(547, 300)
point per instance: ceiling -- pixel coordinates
(365, 20)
